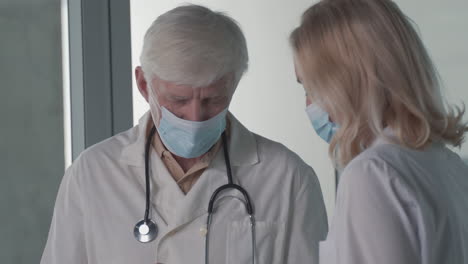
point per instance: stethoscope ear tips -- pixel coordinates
(145, 231)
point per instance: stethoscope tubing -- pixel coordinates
(147, 179)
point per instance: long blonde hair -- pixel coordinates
(364, 63)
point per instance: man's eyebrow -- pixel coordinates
(178, 97)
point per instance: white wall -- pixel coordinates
(443, 28)
(268, 100)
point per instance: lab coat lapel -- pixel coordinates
(196, 201)
(167, 195)
(242, 144)
(133, 155)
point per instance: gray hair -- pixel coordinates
(192, 45)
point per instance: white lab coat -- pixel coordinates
(102, 196)
(397, 205)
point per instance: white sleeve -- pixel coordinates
(372, 221)
(65, 243)
(308, 223)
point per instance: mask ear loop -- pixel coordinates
(154, 104)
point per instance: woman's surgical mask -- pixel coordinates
(321, 122)
(184, 138)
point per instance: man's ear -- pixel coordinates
(141, 82)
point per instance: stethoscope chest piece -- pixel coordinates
(145, 231)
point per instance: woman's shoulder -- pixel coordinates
(380, 170)
(376, 158)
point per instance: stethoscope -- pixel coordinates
(146, 230)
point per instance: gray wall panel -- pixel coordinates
(31, 134)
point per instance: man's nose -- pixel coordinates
(195, 112)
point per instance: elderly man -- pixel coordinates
(271, 212)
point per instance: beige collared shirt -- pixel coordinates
(185, 179)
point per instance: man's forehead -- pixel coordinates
(217, 88)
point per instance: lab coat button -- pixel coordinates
(203, 231)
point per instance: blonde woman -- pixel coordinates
(373, 94)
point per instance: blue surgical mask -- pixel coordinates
(321, 122)
(184, 138)
(190, 139)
